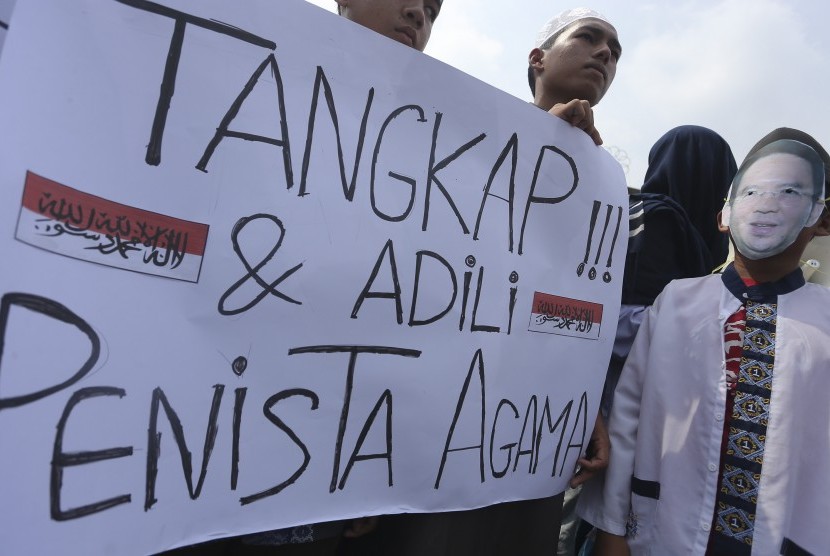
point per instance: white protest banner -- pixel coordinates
(263, 267)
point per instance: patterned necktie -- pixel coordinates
(737, 495)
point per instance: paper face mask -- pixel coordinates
(774, 196)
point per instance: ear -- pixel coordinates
(724, 228)
(534, 59)
(341, 4)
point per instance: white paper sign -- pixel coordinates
(263, 267)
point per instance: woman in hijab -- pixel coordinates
(674, 229)
(690, 169)
(689, 173)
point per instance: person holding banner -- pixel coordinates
(709, 446)
(570, 69)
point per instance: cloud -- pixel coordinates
(740, 67)
(459, 40)
(726, 51)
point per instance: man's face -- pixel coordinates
(772, 204)
(407, 21)
(582, 62)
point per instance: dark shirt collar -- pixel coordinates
(767, 291)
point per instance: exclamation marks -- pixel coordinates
(606, 276)
(581, 268)
(592, 273)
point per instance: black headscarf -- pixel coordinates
(690, 170)
(694, 166)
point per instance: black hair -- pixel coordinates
(802, 137)
(786, 146)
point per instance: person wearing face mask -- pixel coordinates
(719, 422)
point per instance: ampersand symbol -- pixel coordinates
(253, 272)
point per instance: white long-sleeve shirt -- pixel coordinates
(666, 425)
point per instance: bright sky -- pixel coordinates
(740, 67)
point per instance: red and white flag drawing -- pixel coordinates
(552, 314)
(69, 222)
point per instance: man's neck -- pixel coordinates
(763, 271)
(546, 106)
(545, 102)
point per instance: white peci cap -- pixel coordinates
(563, 19)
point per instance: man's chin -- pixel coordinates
(758, 251)
(590, 91)
(593, 97)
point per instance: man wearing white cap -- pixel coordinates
(570, 68)
(572, 65)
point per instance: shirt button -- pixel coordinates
(713, 467)
(705, 526)
(718, 416)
